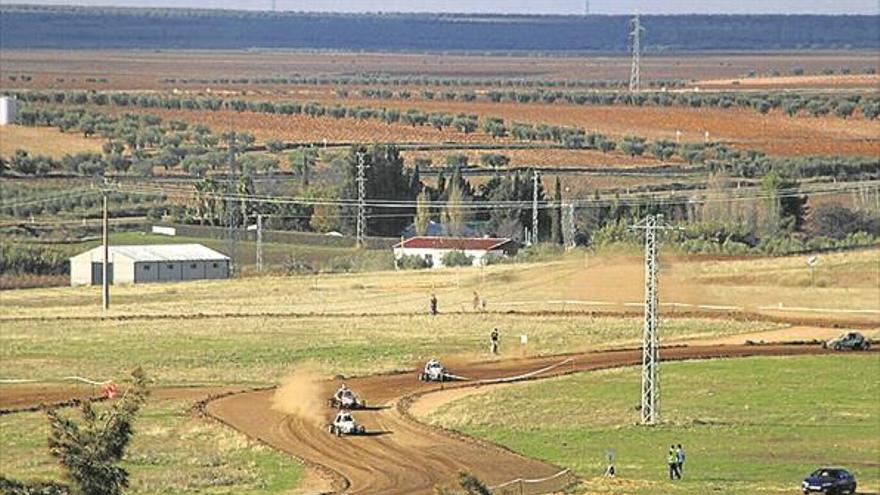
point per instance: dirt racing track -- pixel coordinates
(402, 456)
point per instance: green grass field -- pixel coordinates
(263, 350)
(172, 452)
(756, 425)
(258, 330)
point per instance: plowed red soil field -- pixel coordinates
(774, 133)
(144, 69)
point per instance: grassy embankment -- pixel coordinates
(756, 425)
(258, 330)
(172, 452)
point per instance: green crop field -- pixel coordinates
(756, 425)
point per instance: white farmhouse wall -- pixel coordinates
(81, 269)
(123, 270)
(436, 255)
(8, 110)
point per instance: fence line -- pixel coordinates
(712, 307)
(521, 486)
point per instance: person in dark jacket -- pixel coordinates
(433, 304)
(494, 338)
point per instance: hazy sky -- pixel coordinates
(512, 6)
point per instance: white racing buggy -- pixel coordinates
(344, 398)
(344, 424)
(435, 372)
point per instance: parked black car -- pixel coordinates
(830, 480)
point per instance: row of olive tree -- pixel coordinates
(817, 105)
(425, 81)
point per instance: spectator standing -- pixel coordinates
(493, 341)
(679, 455)
(672, 460)
(434, 305)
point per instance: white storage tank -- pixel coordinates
(8, 108)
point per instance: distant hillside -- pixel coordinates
(83, 27)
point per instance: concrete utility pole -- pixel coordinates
(259, 242)
(572, 226)
(231, 231)
(105, 264)
(535, 179)
(635, 77)
(651, 344)
(362, 198)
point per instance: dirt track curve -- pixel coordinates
(404, 456)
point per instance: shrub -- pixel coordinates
(457, 258)
(494, 160)
(457, 160)
(540, 252)
(633, 145)
(412, 263)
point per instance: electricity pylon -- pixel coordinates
(362, 198)
(635, 77)
(651, 341)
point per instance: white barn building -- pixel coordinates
(434, 248)
(151, 263)
(8, 110)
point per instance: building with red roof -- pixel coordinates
(433, 249)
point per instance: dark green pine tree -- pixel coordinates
(90, 450)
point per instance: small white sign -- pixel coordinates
(523, 339)
(164, 230)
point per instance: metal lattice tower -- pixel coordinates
(362, 198)
(651, 345)
(535, 208)
(635, 77)
(650, 351)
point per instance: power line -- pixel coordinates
(635, 199)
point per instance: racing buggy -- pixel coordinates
(344, 424)
(434, 372)
(344, 398)
(852, 341)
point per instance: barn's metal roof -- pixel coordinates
(162, 252)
